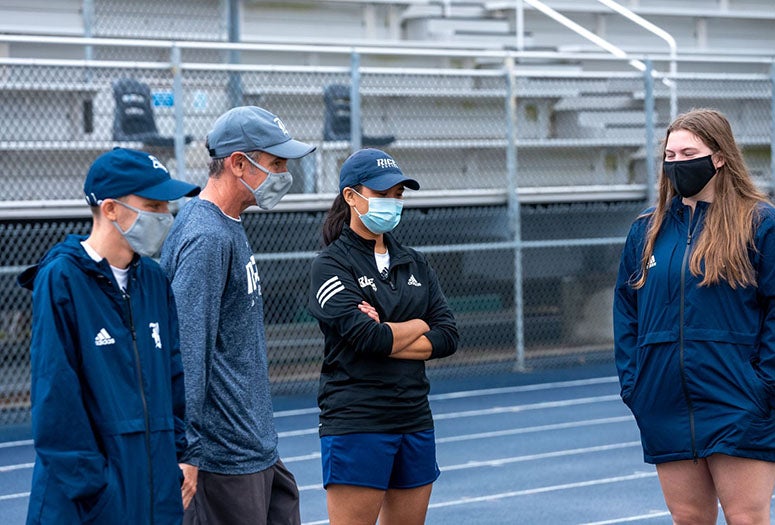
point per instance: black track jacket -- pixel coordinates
(361, 388)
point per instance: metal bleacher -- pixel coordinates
(557, 116)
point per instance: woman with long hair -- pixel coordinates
(383, 314)
(694, 328)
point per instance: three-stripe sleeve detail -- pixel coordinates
(329, 289)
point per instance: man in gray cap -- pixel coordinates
(231, 466)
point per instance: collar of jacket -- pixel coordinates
(71, 247)
(354, 241)
(683, 211)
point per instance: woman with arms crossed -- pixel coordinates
(383, 314)
(694, 328)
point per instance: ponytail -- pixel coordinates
(335, 220)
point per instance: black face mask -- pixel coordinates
(690, 176)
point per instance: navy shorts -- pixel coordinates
(380, 461)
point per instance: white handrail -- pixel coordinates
(583, 32)
(661, 33)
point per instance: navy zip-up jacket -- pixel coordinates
(697, 364)
(361, 388)
(107, 392)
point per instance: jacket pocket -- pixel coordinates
(105, 507)
(760, 394)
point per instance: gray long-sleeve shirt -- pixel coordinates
(217, 289)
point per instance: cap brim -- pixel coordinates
(290, 149)
(169, 190)
(388, 180)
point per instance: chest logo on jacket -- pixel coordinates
(155, 334)
(103, 338)
(413, 282)
(652, 262)
(364, 281)
(254, 281)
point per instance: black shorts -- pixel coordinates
(269, 497)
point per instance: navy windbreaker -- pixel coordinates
(107, 392)
(697, 364)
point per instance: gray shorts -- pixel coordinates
(269, 497)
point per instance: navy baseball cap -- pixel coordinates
(375, 169)
(123, 172)
(250, 128)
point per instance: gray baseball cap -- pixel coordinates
(250, 128)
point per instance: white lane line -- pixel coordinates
(483, 392)
(488, 411)
(544, 455)
(532, 406)
(649, 516)
(538, 428)
(9, 444)
(523, 388)
(539, 490)
(14, 496)
(297, 412)
(20, 466)
(297, 433)
(306, 457)
(499, 433)
(498, 462)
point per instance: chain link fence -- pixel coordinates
(526, 239)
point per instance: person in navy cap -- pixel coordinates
(232, 461)
(383, 314)
(107, 378)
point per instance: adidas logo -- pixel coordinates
(652, 262)
(412, 281)
(103, 338)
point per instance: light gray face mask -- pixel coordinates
(146, 235)
(274, 187)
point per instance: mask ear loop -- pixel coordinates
(353, 206)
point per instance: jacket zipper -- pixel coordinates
(145, 402)
(684, 386)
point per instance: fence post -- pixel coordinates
(514, 210)
(648, 107)
(772, 127)
(235, 77)
(88, 26)
(177, 104)
(355, 101)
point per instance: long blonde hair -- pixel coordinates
(731, 218)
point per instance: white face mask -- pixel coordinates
(274, 187)
(146, 235)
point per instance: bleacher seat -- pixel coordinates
(337, 119)
(133, 118)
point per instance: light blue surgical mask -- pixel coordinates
(383, 216)
(274, 187)
(146, 235)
